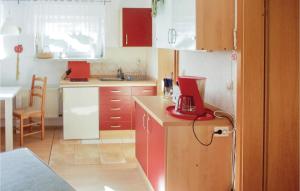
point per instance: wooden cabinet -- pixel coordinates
(215, 24)
(173, 160)
(137, 27)
(117, 106)
(195, 25)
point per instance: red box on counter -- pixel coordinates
(80, 70)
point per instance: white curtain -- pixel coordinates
(68, 29)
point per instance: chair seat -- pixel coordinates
(27, 112)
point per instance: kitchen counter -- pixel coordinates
(94, 82)
(169, 153)
(156, 107)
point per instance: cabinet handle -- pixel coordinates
(126, 39)
(115, 126)
(148, 128)
(147, 91)
(115, 109)
(169, 32)
(174, 34)
(117, 117)
(115, 100)
(144, 121)
(115, 91)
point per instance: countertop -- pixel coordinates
(156, 106)
(94, 82)
(8, 92)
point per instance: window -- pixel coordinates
(72, 29)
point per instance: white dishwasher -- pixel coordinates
(81, 113)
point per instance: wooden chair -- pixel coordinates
(38, 90)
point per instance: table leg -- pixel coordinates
(9, 124)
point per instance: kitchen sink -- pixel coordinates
(111, 79)
(120, 79)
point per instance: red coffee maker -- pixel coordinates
(190, 103)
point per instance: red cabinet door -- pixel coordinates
(142, 91)
(141, 137)
(156, 155)
(137, 27)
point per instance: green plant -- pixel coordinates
(154, 6)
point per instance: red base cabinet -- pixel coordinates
(156, 155)
(173, 160)
(150, 148)
(141, 138)
(117, 106)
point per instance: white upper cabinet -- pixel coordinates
(184, 24)
(195, 24)
(164, 25)
(176, 24)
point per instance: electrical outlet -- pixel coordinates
(225, 131)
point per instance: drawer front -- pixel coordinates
(116, 117)
(115, 100)
(144, 91)
(116, 91)
(115, 126)
(115, 109)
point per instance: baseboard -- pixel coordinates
(49, 122)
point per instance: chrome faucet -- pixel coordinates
(120, 74)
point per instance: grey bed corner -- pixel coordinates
(21, 170)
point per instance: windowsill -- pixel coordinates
(69, 59)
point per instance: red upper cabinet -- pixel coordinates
(137, 27)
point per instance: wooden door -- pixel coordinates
(282, 96)
(141, 150)
(156, 155)
(268, 147)
(137, 27)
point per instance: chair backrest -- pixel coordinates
(38, 89)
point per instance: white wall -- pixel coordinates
(131, 59)
(219, 69)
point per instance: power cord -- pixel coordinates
(221, 114)
(219, 132)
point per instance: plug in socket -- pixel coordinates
(225, 131)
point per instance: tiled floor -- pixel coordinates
(108, 166)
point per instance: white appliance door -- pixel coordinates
(81, 113)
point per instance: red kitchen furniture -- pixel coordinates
(172, 159)
(150, 148)
(141, 91)
(141, 138)
(137, 27)
(80, 70)
(117, 106)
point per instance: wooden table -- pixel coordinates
(7, 94)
